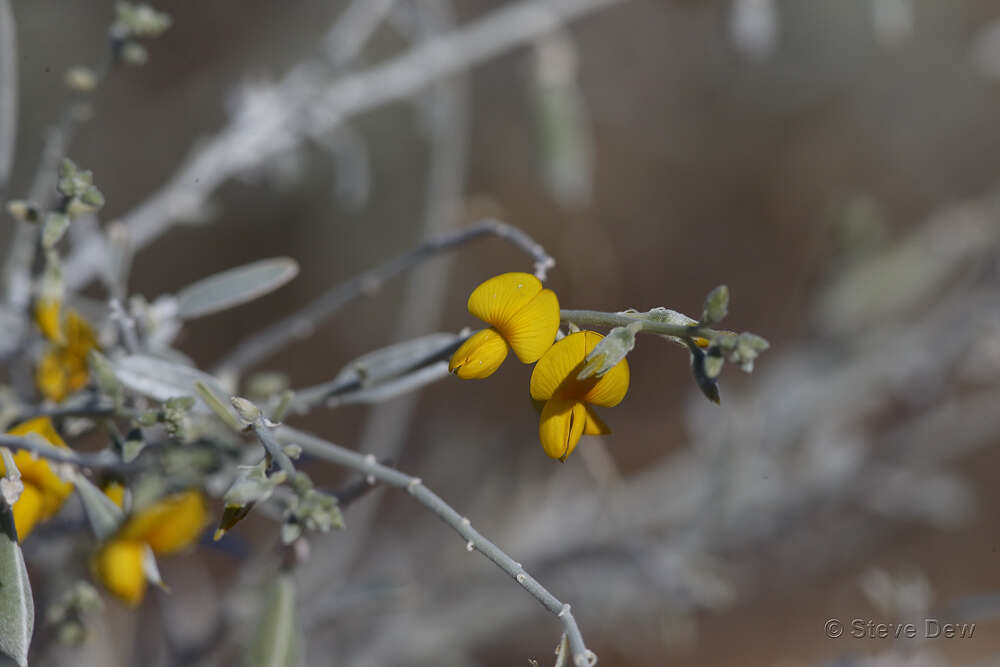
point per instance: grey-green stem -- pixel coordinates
(598, 319)
(475, 541)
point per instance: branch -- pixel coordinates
(270, 340)
(98, 461)
(250, 140)
(321, 449)
(8, 93)
(594, 318)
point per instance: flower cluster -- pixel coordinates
(164, 528)
(44, 491)
(525, 317)
(63, 368)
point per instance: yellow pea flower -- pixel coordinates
(523, 316)
(567, 413)
(165, 527)
(63, 368)
(44, 492)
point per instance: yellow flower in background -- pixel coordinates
(63, 368)
(522, 316)
(44, 492)
(165, 527)
(48, 318)
(116, 492)
(567, 413)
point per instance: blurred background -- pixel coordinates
(834, 163)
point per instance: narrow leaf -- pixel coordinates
(163, 380)
(235, 286)
(102, 513)
(394, 360)
(17, 609)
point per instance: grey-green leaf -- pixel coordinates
(235, 286)
(17, 609)
(163, 380)
(279, 637)
(716, 305)
(104, 516)
(612, 349)
(393, 360)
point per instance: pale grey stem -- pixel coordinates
(21, 253)
(126, 326)
(475, 541)
(353, 28)
(273, 338)
(98, 461)
(273, 448)
(594, 318)
(445, 117)
(8, 93)
(242, 145)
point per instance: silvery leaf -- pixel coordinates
(390, 361)
(102, 513)
(235, 286)
(162, 380)
(17, 609)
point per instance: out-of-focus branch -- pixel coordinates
(58, 455)
(275, 337)
(281, 120)
(475, 541)
(8, 93)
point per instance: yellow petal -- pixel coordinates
(556, 367)
(479, 356)
(50, 378)
(36, 470)
(119, 567)
(499, 298)
(531, 330)
(27, 511)
(170, 524)
(116, 492)
(44, 427)
(80, 337)
(595, 425)
(47, 319)
(561, 426)
(555, 373)
(610, 388)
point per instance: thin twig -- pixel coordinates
(273, 448)
(98, 461)
(243, 145)
(352, 30)
(92, 407)
(299, 325)
(594, 318)
(350, 387)
(21, 254)
(357, 489)
(475, 541)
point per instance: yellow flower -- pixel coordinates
(522, 316)
(116, 492)
(165, 527)
(44, 492)
(63, 368)
(567, 413)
